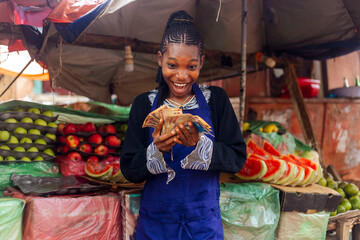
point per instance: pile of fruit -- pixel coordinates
(27, 135)
(350, 194)
(266, 164)
(268, 128)
(97, 146)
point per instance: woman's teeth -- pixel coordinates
(180, 85)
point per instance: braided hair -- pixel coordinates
(180, 28)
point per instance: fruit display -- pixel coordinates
(96, 146)
(266, 164)
(27, 135)
(350, 194)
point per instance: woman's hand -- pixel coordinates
(187, 137)
(166, 141)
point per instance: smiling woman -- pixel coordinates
(181, 168)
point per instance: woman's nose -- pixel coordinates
(181, 74)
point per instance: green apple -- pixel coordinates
(48, 113)
(27, 120)
(20, 130)
(26, 140)
(19, 149)
(33, 149)
(50, 152)
(4, 135)
(1, 158)
(52, 124)
(39, 158)
(13, 139)
(19, 110)
(40, 141)
(11, 120)
(51, 136)
(10, 158)
(4, 147)
(34, 110)
(25, 159)
(41, 122)
(34, 131)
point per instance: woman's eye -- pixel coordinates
(170, 65)
(193, 67)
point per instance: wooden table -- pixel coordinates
(343, 223)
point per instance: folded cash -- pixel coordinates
(172, 118)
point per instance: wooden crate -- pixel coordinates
(343, 223)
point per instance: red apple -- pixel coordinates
(85, 147)
(70, 128)
(95, 138)
(79, 127)
(60, 127)
(62, 139)
(72, 141)
(88, 127)
(112, 141)
(111, 150)
(74, 156)
(65, 149)
(93, 158)
(101, 128)
(101, 150)
(110, 128)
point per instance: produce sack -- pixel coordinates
(11, 213)
(249, 211)
(296, 225)
(130, 205)
(68, 218)
(36, 169)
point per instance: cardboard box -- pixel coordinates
(309, 199)
(130, 205)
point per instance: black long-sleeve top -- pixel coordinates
(229, 150)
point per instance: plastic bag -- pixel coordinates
(11, 213)
(68, 218)
(296, 225)
(249, 210)
(36, 169)
(70, 166)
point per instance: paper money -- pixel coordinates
(172, 118)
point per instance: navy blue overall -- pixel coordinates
(188, 206)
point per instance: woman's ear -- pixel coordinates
(159, 58)
(202, 59)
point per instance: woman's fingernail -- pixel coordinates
(172, 132)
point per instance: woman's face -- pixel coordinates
(181, 66)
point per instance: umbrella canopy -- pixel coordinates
(82, 42)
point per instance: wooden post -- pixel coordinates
(301, 110)
(243, 65)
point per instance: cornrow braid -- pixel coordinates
(180, 28)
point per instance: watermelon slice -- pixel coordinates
(252, 147)
(313, 165)
(117, 175)
(98, 170)
(276, 169)
(311, 169)
(270, 149)
(298, 178)
(253, 169)
(290, 174)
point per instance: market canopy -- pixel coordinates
(83, 46)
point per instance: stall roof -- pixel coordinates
(83, 46)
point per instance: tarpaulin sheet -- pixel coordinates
(11, 213)
(70, 218)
